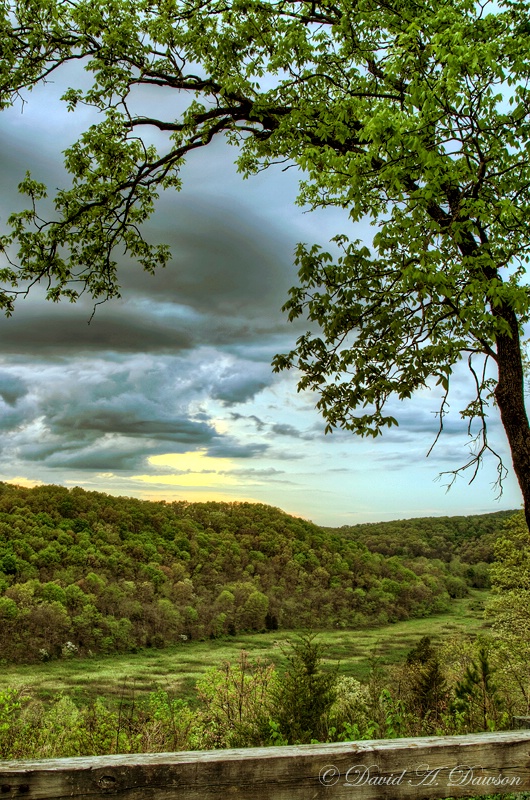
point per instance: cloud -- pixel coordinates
(259, 424)
(224, 263)
(111, 456)
(149, 373)
(12, 388)
(268, 472)
(131, 421)
(240, 382)
(229, 448)
(111, 414)
(284, 429)
(225, 285)
(47, 330)
(263, 476)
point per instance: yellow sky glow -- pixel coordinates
(28, 483)
(195, 468)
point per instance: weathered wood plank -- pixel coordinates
(431, 767)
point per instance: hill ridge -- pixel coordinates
(85, 572)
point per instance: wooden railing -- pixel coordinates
(431, 767)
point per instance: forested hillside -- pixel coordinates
(470, 539)
(85, 572)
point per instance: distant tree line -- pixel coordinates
(470, 539)
(85, 572)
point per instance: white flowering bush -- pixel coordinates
(349, 715)
(69, 649)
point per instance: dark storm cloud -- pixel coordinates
(225, 262)
(101, 462)
(108, 395)
(62, 330)
(112, 458)
(219, 297)
(228, 277)
(105, 420)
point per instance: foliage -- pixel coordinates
(459, 686)
(423, 688)
(430, 690)
(250, 702)
(510, 577)
(509, 606)
(31, 729)
(85, 573)
(349, 715)
(470, 539)
(237, 703)
(422, 653)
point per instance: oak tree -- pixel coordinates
(413, 114)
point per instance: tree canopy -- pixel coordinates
(107, 574)
(412, 114)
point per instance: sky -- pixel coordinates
(169, 394)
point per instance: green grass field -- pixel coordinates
(177, 668)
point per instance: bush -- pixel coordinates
(237, 703)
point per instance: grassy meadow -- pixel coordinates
(176, 668)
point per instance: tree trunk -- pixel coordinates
(509, 395)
